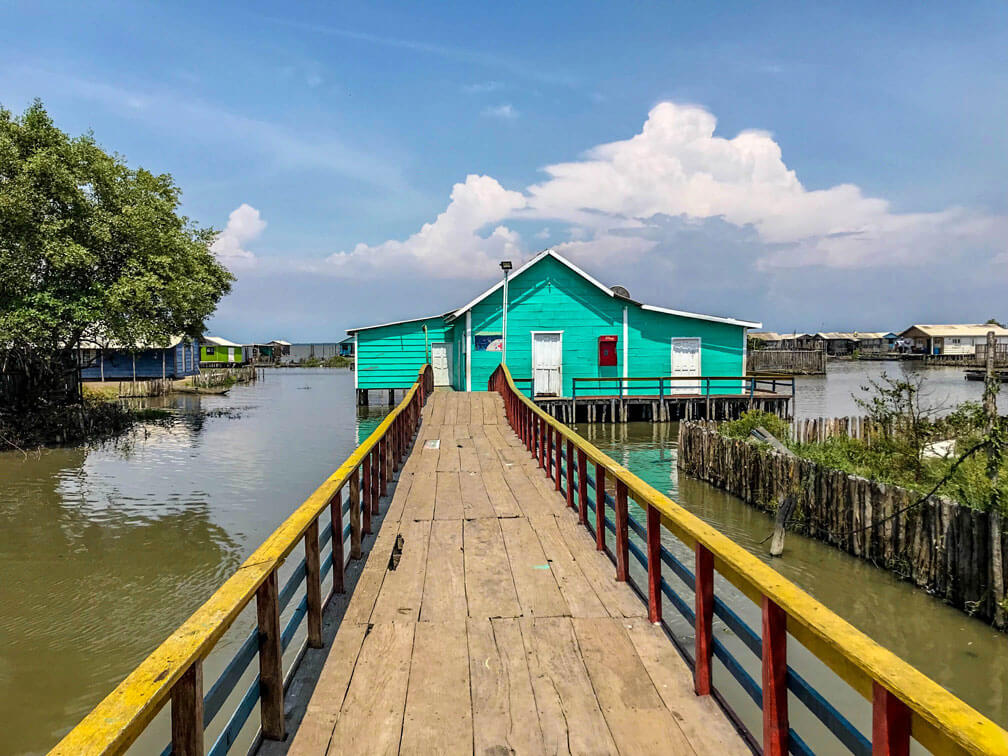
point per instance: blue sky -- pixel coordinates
(808, 167)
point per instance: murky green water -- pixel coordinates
(104, 551)
(964, 655)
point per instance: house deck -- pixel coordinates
(485, 621)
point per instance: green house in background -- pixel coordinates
(218, 352)
(561, 324)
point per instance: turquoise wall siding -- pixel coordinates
(550, 296)
(391, 356)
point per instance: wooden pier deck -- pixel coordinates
(485, 621)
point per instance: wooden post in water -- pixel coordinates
(313, 584)
(355, 516)
(704, 620)
(187, 712)
(271, 691)
(336, 515)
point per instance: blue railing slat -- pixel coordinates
(237, 721)
(291, 586)
(826, 713)
(681, 570)
(221, 689)
(292, 624)
(681, 606)
(749, 685)
(735, 623)
(798, 746)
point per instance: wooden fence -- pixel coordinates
(791, 361)
(814, 429)
(947, 549)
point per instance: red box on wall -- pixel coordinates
(607, 351)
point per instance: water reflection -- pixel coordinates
(831, 395)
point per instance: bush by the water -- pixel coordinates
(902, 450)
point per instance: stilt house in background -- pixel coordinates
(218, 352)
(562, 324)
(114, 362)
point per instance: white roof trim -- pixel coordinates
(526, 266)
(218, 341)
(352, 331)
(698, 316)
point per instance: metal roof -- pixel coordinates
(218, 341)
(969, 329)
(590, 279)
(173, 341)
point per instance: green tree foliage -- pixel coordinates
(90, 248)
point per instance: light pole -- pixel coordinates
(505, 266)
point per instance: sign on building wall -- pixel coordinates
(488, 342)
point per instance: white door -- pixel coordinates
(547, 356)
(441, 362)
(231, 354)
(685, 363)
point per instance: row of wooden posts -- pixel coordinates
(368, 482)
(793, 361)
(949, 550)
(811, 430)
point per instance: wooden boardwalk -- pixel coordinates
(498, 628)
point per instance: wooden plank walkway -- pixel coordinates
(501, 629)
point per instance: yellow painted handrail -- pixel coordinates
(118, 720)
(940, 721)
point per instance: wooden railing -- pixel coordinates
(174, 671)
(905, 703)
(662, 386)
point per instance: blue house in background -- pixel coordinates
(346, 347)
(112, 362)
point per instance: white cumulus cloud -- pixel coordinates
(462, 241)
(244, 225)
(612, 198)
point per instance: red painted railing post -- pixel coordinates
(366, 494)
(890, 723)
(622, 533)
(599, 507)
(339, 558)
(542, 441)
(775, 707)
(654, 564)
(558, 449)
(376, 464)
(570, 473)
(383, 458)
(582, 465)
(704, 620)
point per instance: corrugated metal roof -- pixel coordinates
(218, 341)
(91, 344)
(765, 335)
(968, 329)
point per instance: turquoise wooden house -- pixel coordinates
(562, 324)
